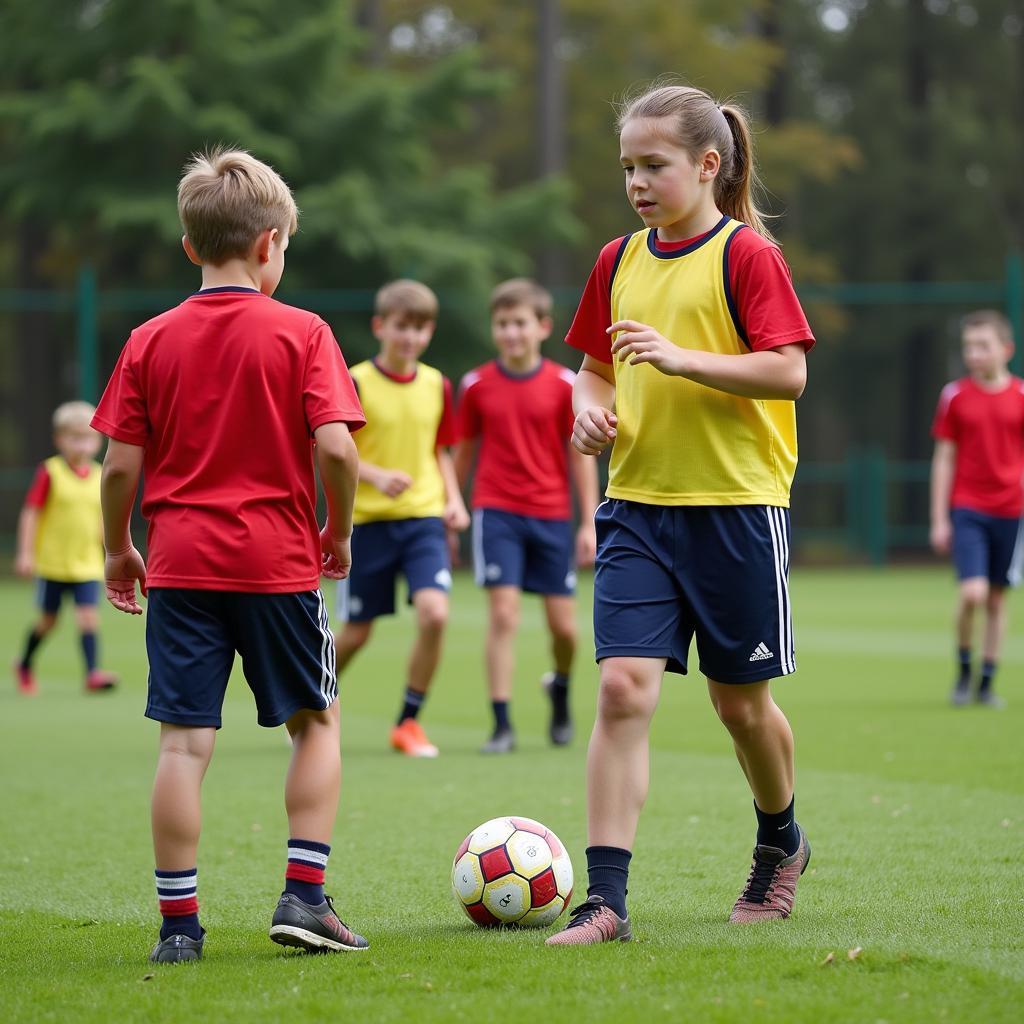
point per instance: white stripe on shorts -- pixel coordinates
(780, 550)
(1016, 571)
(327, 681)
(479, 568)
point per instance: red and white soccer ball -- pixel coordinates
(512, 871)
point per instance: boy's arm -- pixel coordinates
(337, 462)
(24, 558)
(593, 398)
(779, 373)
(391, 482)
(455, 515)
(464, 457)
(943, 469)
(583, 470)
(122, 467)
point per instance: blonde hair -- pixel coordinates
(406, 298)
(522, 291)
(990, 318)
(699, 124)
(227, 199)
(71, 415)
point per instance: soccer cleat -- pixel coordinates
(960, 696)
(178, 949)
(593, 921)
(316, 929)
(98, 680)
(26, 680)
(771, 887)
(989, 699)
(560, 728)
(502, 742)
(409, 738)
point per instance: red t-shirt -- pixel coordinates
(524, 423)
(987, 428)
(224, 392)
(759, 280)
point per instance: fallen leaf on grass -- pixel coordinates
(828, 960)
(148, 977)
(852, 954)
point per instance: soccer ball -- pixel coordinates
(512, 871)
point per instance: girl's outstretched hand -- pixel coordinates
(640, 343)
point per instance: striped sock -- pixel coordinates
(304, 876)
(176, 891)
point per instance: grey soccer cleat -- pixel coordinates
(560, 728)
(178, 949)
(502, 742)
(316, 929)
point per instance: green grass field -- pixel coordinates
(915, 812)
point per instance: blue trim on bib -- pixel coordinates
(730, 299)
(674, 255)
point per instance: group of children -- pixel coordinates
(694, 351)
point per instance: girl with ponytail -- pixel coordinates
(694, 353)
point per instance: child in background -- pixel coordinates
(977, 493)
(60, 540)
(695, 347)
(227, 401)
(517, 412)
(407, 499)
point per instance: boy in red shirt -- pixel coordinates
(517, 410)
(976, 491)
(220, 400)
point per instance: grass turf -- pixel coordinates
(915, 812)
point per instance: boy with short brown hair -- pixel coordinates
(227, 401)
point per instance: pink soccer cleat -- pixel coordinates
(770, 891)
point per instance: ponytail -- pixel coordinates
(737, 182)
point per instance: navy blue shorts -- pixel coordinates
(192, 635)
(50, 594)
(988, 546)
(666, 574)
(535, 555)
(416, 548)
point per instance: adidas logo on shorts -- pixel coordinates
(761, 653)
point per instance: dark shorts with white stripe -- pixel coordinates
(665, 575)
(192, 636)
(987, 546)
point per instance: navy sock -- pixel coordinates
(500, 709)
(988, 672)
(778, 830)
(413, 702)
(89, 649)
(32, 641)
(608, 872)
(964, 657)
(176, 891)
(560, 696)
(304, 876)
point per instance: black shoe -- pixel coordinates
(317, 929)
(502, 742)
(560, 729)
(178, 949)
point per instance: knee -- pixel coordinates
(504, 619)
(353, 636)
(738, 714)
(996, 600)
(974, 593)
(433, 617)
(621, 696)
(563, 632)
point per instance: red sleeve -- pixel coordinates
(589, 330)
(328, 393)
(468, 413)
(121, 413)
(39, 489)
(447, 429)
(944, 426)
(761, 294)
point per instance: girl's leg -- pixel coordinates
(617, 759)
(313, 784)
(431, 618)
(560, 611)
(995, 629)
(762, 739)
